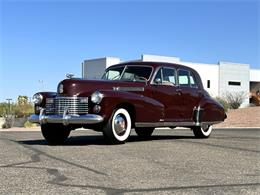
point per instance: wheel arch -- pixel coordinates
(130, 108)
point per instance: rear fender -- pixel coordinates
(212, 111)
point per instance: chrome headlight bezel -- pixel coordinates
(96, 97)
(37, 98)
(60, 88)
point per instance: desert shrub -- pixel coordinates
(28, 124)
(9, 122)
(235, 99)
(223, 102)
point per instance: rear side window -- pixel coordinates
(193, 82)
(183, 78)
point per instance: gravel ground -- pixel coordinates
(243, 117)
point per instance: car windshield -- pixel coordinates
(131, 73)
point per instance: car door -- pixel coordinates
(164, 90)
(189, 93)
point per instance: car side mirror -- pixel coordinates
(158, 81)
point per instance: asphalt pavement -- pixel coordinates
(171, 162)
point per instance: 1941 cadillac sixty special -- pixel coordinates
(132, 95)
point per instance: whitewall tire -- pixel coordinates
(118, 128)
(202, 131)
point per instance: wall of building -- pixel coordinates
(94, 68)
(254, 75)
(234, 77)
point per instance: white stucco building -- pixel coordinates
(217, 78)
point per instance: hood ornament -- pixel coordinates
(69, 76)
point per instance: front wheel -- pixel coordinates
(118, 128)
(55, 134)
(202, 131)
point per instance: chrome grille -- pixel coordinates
(74, 105)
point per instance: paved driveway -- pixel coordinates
(173, 161)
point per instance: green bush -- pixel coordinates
(223, 102)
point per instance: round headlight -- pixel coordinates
(60, 88)
(37, 98)
(96, 97)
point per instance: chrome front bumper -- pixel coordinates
(65, 119)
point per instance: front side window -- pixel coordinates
(166, 76)
(183, 78)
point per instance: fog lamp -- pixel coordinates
(96, 108)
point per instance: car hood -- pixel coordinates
(84, 88)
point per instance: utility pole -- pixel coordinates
(41, 83)
(9, 105)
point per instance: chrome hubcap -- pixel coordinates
(205, 128)
(120, 124)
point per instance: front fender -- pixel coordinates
(45, 95)
(146, 108)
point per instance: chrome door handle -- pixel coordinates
(179, 91)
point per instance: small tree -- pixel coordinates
(235, 99)
(23, 108)
(3, 109)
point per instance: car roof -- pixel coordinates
(154, 64)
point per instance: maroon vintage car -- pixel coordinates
(139, 95)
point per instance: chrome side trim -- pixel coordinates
(174, 124)
(128, 88)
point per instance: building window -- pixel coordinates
(234, 83)
(208, 84)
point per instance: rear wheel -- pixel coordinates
(202, 131)
(144, 132)
(118, 128)
(55, 134)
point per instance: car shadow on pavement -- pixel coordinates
(99, 140)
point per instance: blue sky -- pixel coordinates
(42, 41)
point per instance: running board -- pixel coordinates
(174, 124)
